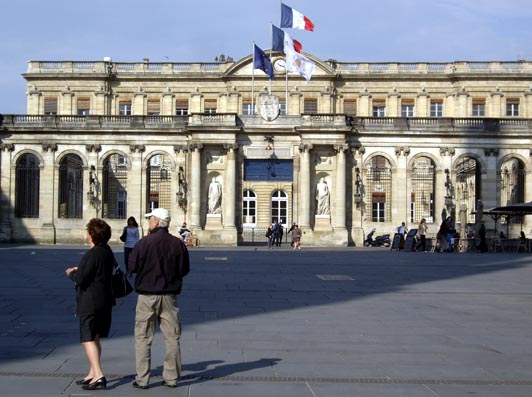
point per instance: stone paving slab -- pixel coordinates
(340, 322)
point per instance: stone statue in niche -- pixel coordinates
(323, 198)
(215, 197)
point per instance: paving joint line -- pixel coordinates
(294, 379)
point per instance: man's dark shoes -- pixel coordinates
(169, 384)
(137, 386)
(97, 384)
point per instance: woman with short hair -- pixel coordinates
(95, 299)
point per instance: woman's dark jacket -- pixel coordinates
(93, 280)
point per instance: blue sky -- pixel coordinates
(183, 31)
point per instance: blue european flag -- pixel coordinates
(262, 61)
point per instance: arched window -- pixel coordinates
(27, 187)
(467, 188)
(249, 208)
(422, 193)
(379, 188)
(279, 207)
(114, 189)
(158, 184)
(512, 184)
(71, 187)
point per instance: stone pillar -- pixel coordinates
(139, 106)
(294, 104)
(462, 106)
(422, 105)
(304, 204)
(6, 206)
(325, 103)
(48, 201)
(496, 105)
(195, 186)
(33, 102)
(168, 104)
(93, 167)
(196, 103)
(340, 183)
(359, 207)
(364, 106)
(400, 195)
(67, 104)
(527, 108)
(393, 108)
(136, 184)
(99, 104)
(488, 194)
(442, 190)
(449, 106)
(229, 188)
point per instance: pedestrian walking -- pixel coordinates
(160, 262)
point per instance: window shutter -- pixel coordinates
(50, 105)
(154, 106)
(479, 101)
(310, 106)
(84, 103)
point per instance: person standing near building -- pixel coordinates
(422, 230)
(296, 237)
(160, 262)
(132, 237)
(402, 231)
(95, 299)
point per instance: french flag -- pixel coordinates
(291, 18)
(281, 40)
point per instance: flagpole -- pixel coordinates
(253, 82)
(271, 45)
(286, 85)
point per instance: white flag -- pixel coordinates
(298, 63)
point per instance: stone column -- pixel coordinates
(304, 204)
(136, 184)
(67, 102)
(496, 105)
(462, 106)
(422, 105)
(92, 158)
(168, 104)
(359, 198)
(48, 203)
(393, 108)
(229, 188)
(488, 194)
(340, 193)
(400, 194)
(6, 193)
(446, 155)
(139, 103)
(195, 186)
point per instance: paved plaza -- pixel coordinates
(258, 322)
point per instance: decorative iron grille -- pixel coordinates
(379, 186)
(158, 185)
(467, 187)
(71, 187)
(27, 182)
(422, 194)
(512, 184)
(114, 189)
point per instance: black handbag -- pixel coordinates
(120, 283)
(123, 236)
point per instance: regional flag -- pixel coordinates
(262, 61)
(300, 64)
(291, 18)
(281, 40)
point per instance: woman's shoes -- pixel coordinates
(97, 384)
(82, 382)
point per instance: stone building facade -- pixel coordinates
(386, 142)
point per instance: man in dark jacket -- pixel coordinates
(160, 261)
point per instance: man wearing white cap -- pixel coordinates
(160, 261)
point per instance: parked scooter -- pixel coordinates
(379, 241)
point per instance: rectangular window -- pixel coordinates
(436, 108)
(210, 106)
(124, 108)
(84, 106)
(407, 108)
(350, 107)
(379, 108)
(50, 105)
(154, 107)
(378, 207)
(181, 107)
(268, 170)
(310, 106)
(282, 107)
(512, 107)
(478, 108)
(247, 108)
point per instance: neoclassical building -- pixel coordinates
(361, 146)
